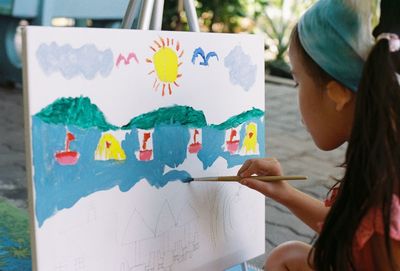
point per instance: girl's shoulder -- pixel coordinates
(373, 223)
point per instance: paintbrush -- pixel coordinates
(238, 178)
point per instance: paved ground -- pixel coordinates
(286, 139)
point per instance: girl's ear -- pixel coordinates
(339, 94)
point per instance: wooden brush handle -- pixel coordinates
(261, 178)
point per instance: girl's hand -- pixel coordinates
(264, 167)
(310, 210)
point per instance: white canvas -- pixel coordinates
(116, 119)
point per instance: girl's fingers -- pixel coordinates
(256, 185)
(244, 167)
(251, 169)
(258, 167)
(261, 167)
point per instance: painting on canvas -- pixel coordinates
(116, 120)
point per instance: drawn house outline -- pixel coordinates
(173, 239)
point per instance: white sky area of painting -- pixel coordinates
(128, 91)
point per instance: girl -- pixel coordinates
(344, 98)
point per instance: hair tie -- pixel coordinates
(394, 41)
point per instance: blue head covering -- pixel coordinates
(336, 34)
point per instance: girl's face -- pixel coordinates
(328, 126)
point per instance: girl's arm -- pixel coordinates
(308, 209)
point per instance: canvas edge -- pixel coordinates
(28, 148)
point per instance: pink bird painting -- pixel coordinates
(126, 60)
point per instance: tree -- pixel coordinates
(278, 20)
(215, 15)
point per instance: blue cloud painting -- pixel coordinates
(87, 60)
(242, 71)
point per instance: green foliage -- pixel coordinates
(14, 235)
(215, 15)
(278, 21)
(14, 221)
(375, 12)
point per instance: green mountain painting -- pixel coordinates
(75, 111)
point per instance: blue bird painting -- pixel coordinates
(200, 52)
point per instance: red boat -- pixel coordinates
(196, 146)
(67, 157)
(145, 155)
(232, 145)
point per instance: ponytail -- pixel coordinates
(372, 162)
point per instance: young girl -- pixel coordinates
(343, 98)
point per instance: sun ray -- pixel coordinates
(151, 72)
(163, 42)
(180, 64)
(149, 60)
(176, 84)
(181, 53)
(158, 84)
(153, 49)
(167, 41)
(178, 46)
(163, 89)
(169, 89)
(179, 75)
(155, 82)
(158, 44)
(172, 42)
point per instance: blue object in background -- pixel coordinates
(103, 13)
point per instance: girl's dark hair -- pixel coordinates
(312, 68)
(372, 163)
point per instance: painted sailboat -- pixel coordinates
(109, 148)
(145, 154)
(66, 156)
(250, 144)
(195, 147)
(232, 145)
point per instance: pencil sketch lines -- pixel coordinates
(222, 205)
(173, 239)
(80, 264)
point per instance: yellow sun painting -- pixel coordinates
(166, 62)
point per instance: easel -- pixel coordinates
(146, 15)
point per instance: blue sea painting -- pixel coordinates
(75, 154)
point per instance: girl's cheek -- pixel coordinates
(302, 109)
(301, 105)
